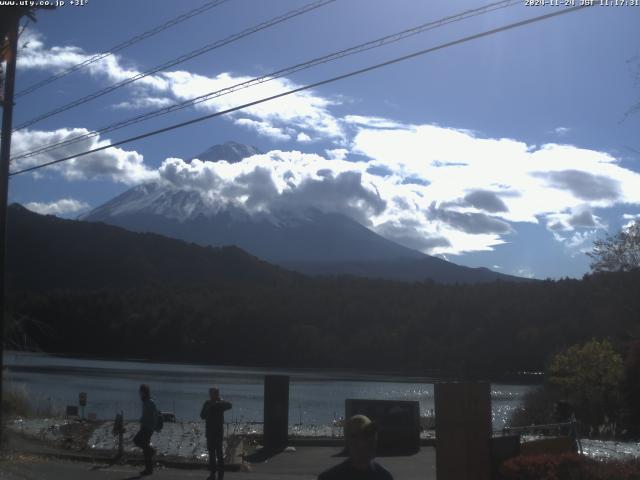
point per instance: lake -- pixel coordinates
(316, 397)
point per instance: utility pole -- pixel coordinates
(10, 50)
(9, 25)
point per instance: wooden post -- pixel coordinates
(463, 431)
(12, 22)
(276, 412)
(9, 24)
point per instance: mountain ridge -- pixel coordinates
(45, 251)
(232, 152)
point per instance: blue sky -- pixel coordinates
(513, 151)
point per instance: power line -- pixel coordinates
(274, 75)
(121, 46)
(379, 42)
(313, 85)
(183, 58)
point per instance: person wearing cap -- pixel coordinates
(361, 436)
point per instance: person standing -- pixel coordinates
(148, 423)
(360, 435)
(213, 414)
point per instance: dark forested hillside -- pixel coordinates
(163, 299)
(45, 252)
(342, 322)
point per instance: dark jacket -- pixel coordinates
(213, 415)
(149, 415)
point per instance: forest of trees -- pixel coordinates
(485, 329)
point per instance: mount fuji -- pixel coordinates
(307, 240)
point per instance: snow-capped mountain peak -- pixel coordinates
(167, 201)
(232, 152)
(155, 199)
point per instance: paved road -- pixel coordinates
(305, 463)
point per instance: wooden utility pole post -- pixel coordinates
(10, 49)
(9, 25)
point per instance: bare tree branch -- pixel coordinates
(620, 252)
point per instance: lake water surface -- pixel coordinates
(316, 397)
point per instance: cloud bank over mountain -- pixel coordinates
(62, 207)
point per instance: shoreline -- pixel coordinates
(338, 374)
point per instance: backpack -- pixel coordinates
(159, 422)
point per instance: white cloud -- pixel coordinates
(114, 163)
(469, 222)
(143, 102)
(279, 180)
(303, 137)
(374, 122)
(581, 241)
(528, 181)
(464, 194)
(631, 219)
(55, 59)
(279, 119)
(580, 217)
(485, 200)
(337, 153)
(561, 131)
(264, 128)
(524, 272)
(61, 207)
(301, 111)
(409, 232)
